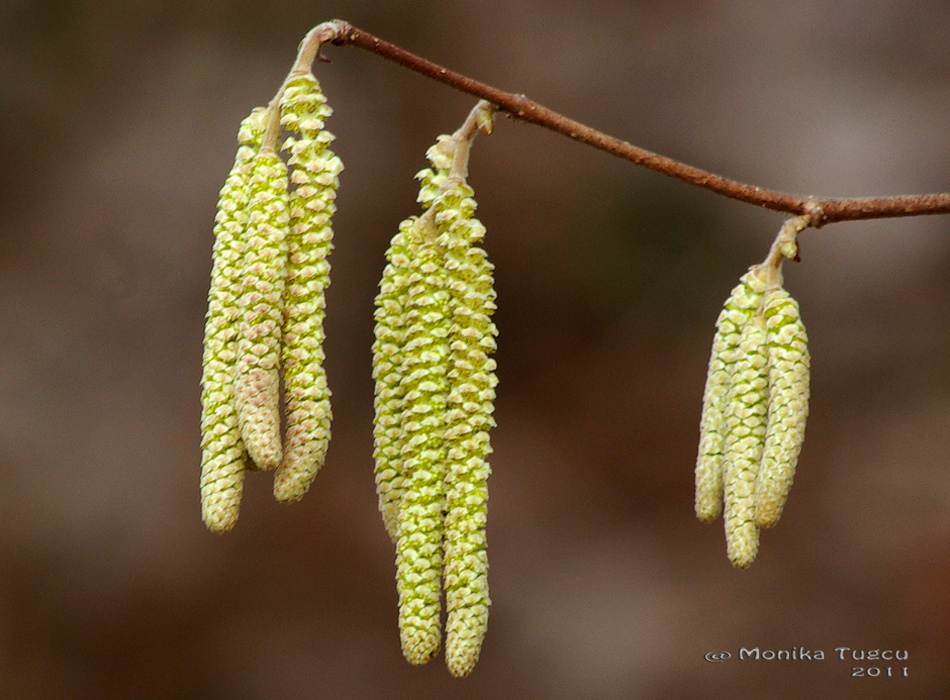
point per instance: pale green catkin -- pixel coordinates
(471, 397)
(390, 338)
(315, 176)
(256, 379)
(788, 405)
(423, 381)
(222, 449)
(745, 424)
(743, 302)
(435, 390)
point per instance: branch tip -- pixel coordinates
(517, 106)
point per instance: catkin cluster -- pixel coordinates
(754, 411)
(435, 388)
(265, 307)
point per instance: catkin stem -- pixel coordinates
(479, 119)
(784, 246)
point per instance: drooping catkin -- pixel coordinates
(755, 405)
(390, 339)
(435, 389)
(789, 364)
(315, 176)
(744, 301)
(745, 419)
(222, 449)
(419, 520)
(471, 397)
(256, 379)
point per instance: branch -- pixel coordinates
(818, 211)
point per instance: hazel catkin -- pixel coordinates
(390, 337)
(470, 404)
(419, 518)
(256, 378)
(754, 411)
(315, 177)
(789, 369)
(392, 304)
(745, 421)
(743, 302)
(223, 455)
(266, 304)
(435, 390)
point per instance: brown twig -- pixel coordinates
(818, 211)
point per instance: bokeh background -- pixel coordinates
(118, 127)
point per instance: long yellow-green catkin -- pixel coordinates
(222, 449)
(471, 397)
(424, 384)
(390, 338)
(315, 176)
(788, 405)
(742, 303)
(745, 423)
(256, 378)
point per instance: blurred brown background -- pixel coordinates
(118, 127)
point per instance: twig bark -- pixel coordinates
(818, 211)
